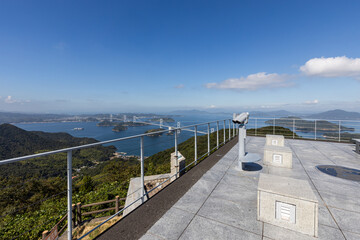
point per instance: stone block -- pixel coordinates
(287, 202)
(275, 140)
(278, 156)
(177, 165)
(134, 191)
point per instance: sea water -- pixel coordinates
(153, 145)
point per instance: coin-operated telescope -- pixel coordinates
(242, 119)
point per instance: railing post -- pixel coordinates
(339, 131)
(78, 213)
(229, 129)
(217, 135)
(233, 129)
(274, 126)
(69, 193)
(224, 132)
(73, 208)
(208, 131)
(315, 130)
(116, 204)
(142, 168)
(293, 128)
(255, 126)
(195, 144)
(44, 234)
(176, 154)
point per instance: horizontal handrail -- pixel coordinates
(100, 203)
(99, 211)
(309, 119)
(12, 160)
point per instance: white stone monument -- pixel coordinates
(287, 202)
(278, 156)
(275, 140)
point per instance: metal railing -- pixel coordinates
(231, 129)
(315, 129)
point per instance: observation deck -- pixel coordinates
(215, 201)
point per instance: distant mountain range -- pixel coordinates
(271, 114)
(9, 117)
(336, 114)
(280, 113)
(195, 112)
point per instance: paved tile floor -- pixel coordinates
(222, 204)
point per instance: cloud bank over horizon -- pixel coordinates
(253, 82)
(332, 67)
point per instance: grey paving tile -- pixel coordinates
(203, 228)
(241, 215)
(240, 179)
(172, 224)
(315, 174)
(196, 196)
(235, 193)
(221, 166)
(203, 187)
(298, 174)
(213, 175)
(191, 202)
(325, 217)
(341, 201)
(149, 236)
(351, 236)
(337, 189)
(348, 221)
(279, 233)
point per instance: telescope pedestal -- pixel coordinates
(244, 157)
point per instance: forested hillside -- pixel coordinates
(33, 192)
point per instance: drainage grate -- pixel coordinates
(340, 172)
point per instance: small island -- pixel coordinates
(165, 119)
(155, 132)
(107, 123)
(133, 124)
(119, 128)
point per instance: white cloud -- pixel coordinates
(10, 100)
(312, 102)
(211, 106)
(332, 67)
(253, 82)
(179, 86)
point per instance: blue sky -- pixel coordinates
(117, 56)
